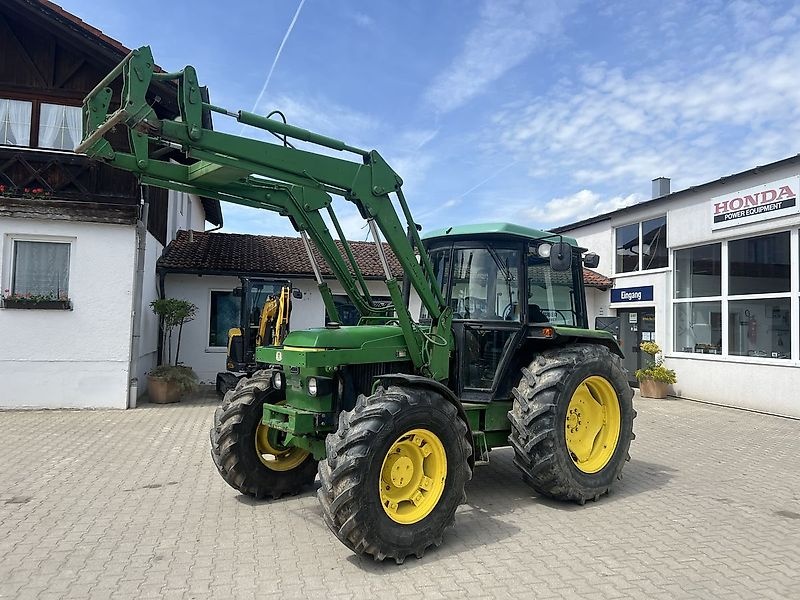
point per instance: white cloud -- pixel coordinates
(578, 206)
(507, 33)
(362, 20)
(620, 129)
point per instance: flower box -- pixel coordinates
(22, 303)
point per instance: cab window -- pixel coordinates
(485, 284)
(551, 294)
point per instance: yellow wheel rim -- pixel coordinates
(412, 476)
(275, 456)
(593, 424)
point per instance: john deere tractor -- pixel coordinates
(392, 414)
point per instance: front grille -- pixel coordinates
(363, 376)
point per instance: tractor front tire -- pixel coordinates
(395, 473)
(572, 422)
(249, 456)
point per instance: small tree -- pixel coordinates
(172, 313)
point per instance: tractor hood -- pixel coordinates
(345, 337)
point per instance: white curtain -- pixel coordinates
(41, 268)
(51, 121)
(74, 118)
(19, 117)
(4, 137)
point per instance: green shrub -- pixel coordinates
(184, 377)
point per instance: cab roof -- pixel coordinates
(482, 229)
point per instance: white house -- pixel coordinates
(79, 241)
(712, 274)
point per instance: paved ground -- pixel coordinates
(112, 504)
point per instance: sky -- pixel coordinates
(538, 112)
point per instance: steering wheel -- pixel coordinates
(508, 311)
(560, 314)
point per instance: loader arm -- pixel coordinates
(281, 178)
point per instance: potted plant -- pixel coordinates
(171, 380)
(655, 378)
(50, 300)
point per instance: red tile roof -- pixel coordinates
(595, 280)
(269, 255)
(261, 254)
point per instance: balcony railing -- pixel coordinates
(29, 173)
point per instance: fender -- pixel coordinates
(405, 379)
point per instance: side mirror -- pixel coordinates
(561, 257)
(591, 260)
(297, 294)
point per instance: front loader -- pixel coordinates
(392, 414)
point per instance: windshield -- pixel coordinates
(485, 284)
(551, 294)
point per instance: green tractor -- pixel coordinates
(392, 414)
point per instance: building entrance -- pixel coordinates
(636, 326)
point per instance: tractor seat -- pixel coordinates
(535, 314)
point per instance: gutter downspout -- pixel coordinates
(138, 284)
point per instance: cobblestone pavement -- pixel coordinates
(126, 504)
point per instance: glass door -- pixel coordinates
(636, 326)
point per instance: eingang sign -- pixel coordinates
(754, 204)
(632, 294)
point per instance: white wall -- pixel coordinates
(148, 342)
(185, 212)
(307, 312)
(78, 358)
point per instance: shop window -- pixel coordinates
(760, 327)
(59, 126)
(698, 271)
(642, 246)
(759, 265)
(40, 269)
(348, 313)
(743, 306)
(15, 122)
(698, 327)
(224, 314)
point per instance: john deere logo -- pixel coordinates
(279, 356)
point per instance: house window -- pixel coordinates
(223, 315)
(642, 246)
(15, 122)
(348, 313)
(59, 126)
(40, 269)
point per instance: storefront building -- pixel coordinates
(711, 274)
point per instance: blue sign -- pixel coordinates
(632, 294)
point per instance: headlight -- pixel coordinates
(312, 386)
(544, 250)
(277, 380)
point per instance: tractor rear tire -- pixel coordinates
(395, 473)
(572, 422)
(235, 444)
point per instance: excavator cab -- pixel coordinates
(264, 310)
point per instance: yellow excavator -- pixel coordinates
(263, 321)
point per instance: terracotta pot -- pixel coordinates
(162, 391)
(653, 389)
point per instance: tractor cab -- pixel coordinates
(508, 287)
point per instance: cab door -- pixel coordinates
(484, 295)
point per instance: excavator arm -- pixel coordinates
(278, 177)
